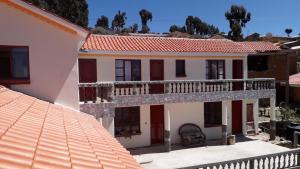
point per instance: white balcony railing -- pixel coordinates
(107, 91)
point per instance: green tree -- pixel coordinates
(174, 28)
(237, 17)
(135, 28)
(189, 23)
(75, 11)
(119, 21)
(103, 22)
(288, 31)
(145, 17)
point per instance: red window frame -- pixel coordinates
(124, 121)
(123, 69)
(180, 68)
(15, 80)
(220, 64)
(212, 114)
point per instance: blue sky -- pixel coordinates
(267, 15)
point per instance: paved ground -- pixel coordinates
(204, 155)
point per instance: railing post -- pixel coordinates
(134, 89)
(167, 87)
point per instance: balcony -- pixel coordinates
(134, 93)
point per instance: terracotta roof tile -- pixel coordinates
(37, 134)
(261, 46)
(162, 44)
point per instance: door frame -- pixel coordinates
(163, 124)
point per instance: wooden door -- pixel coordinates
(156, 74)
(237, 73)
(237, 117)
(87, 74)
(157, 124)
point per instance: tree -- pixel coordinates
(237, 17)
(145, 17)
(119, 21)
(102, 21)
(75, 11)
(288, 31)
(175, 28)
(189, 23)
(195, 26)
(135, 28)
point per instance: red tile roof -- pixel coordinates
(162, 44)
(37, 134)
(261, 46)
(295, 79)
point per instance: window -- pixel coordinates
(215, 69)
(180, 68)
(127, 121)
(14, 63)
(257, 63)
(128, 70)
(212, 114)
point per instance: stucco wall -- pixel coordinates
(52, 54)
(180, 113)
(195, 68)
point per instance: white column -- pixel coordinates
(255, 114)
(167, 133)
(224, 121)
(273, 118)
(244, 116)
(109, 125)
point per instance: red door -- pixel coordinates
(157, 124)
(237, 73)
(87, 74)
(237, 119)
(156, 74)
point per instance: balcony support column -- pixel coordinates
(167, 133)
(273, 118)
(224, 122)
(108, 120)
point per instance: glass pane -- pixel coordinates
(127, 70)
(20, 63)
(4, 64)
(136, 66)
(120, 78)
(119, 63)
(119, 72)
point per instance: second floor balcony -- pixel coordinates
(134, 93)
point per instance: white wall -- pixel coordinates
(52, 54)
(195, 68)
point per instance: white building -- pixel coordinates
(169, 82)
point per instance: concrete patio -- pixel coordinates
(150, 158)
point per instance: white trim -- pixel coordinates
(154, 53)
(81, 31)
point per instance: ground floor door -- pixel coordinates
(237, 117)
(157, 124)
(87, 74)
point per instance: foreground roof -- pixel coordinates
(162, 44)
(38, 134)
(261, 46)
(294, 79)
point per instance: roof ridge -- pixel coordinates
(145, 37)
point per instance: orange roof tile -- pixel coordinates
(261, 46)
(162, 44)
(37, 134)
(295, 79)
